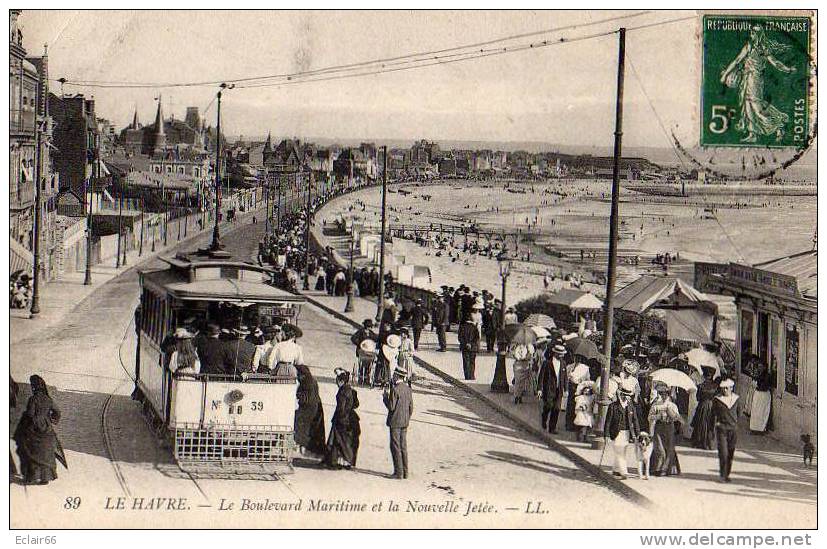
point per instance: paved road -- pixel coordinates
(462, 454)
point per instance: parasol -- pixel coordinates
(541, 332)
(701, 358)
(540, 320)
(583, 347)
(674, 378)
(517, 334)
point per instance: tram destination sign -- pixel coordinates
(755, 88)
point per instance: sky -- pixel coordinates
(564, 94)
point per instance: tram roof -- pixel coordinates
(203, 278)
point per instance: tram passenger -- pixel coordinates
(211, 351)
(239, 353)
(287, 354)
(184, 358)
(272, 335)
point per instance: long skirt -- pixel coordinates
(570, 426)
(320, 286)
(343, 445)
(664, 460)
(703, 427)
(309, 427)
(522, 377)
(760, 414)
(37, 451)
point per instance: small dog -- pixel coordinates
(808, 450)
(643, 451)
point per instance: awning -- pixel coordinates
(664, 291)
(576, 299)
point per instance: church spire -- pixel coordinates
(135, 119)
(159, 119)
(268, 145)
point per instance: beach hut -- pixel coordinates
(578, 304)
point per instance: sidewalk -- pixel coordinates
(59, 297)
(764, 469)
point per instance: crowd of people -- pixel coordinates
(20, 290)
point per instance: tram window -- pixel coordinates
(229, 272)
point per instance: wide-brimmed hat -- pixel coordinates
(631, 367)
(367, 346)
(394, 341)
(662, 388)
(242, 330)
(291, 330)
(183, 333)
(726, 383)
(558, 350)
(272, 330)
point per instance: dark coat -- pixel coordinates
(308, 425)
(238, 356)
(419, 318)
(440, 313)
(345, 428)
(37, 443)
(211, 354)
(399, 402)
(469, 336)
(613, 419)
(551, 384)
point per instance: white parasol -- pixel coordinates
(674, 378)
(701, 358)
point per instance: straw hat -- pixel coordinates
(394, 341)
(727, 383)
(183, 333)
(242, 330)
(631, 367)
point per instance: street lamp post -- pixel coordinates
(307, 232)
(38, 222)
(500, 382)
(349, 303)
(381, 296)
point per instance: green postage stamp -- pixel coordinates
(755, 88)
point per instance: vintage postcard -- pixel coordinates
(459, 269)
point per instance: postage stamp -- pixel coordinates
(755, 83)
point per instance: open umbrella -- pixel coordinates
(701, 358)
(541, 320)
(583, 347)
(517, 334)
(674, 378)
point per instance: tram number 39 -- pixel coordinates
(255, 406)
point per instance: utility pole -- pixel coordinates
(608, 313)
(380, 297)
(87, 280)
(307, 231)
(141, 246)
(266, 206)
(349, 302)
(38, 220)
(216, 233)
(120, 225)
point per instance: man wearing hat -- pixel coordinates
(725, 414)
(211, 351)
(439, 320)
(419, 318)
(550, 388)
(469, 345)
(398, 400)
(623, 428)
(238, 352)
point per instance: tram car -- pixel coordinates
(233, 422)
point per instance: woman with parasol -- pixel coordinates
(37, 444)
(664, 418)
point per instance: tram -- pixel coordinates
(230, 423)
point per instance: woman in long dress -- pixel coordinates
(759, 418)
(343, 441)
(308, 425)
(663, 419)
(522, 371)
(405, 357)
(37, 443)
(703, 427)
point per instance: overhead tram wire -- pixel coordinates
(678, 155)
(417, 60)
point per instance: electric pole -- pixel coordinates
(38, 220)
(380, 297)
(608, 313)
(87, 280)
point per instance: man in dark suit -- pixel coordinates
(419, 318)
(489, 327)
(469, 345)
(399, 402)
(211, 351)
(439, 320)
(622, 428)
(550, 388)
(239, 353)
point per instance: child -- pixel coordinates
(583, 405)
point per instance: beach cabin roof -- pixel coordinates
(650, 291)
(576, 299)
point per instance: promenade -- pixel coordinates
(764, 469)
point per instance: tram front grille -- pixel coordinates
(233, 443)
